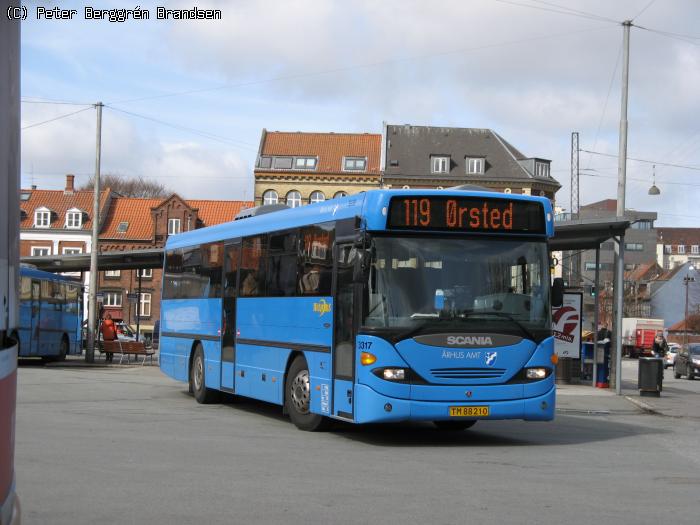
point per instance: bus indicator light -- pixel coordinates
(367, 359)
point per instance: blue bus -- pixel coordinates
(50, 315)
(390, 305)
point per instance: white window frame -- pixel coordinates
(305, 163)
(340, 194)
(668, 249)
(316, 196)
(695, 249)
(171, 226)
(72, 250)
(145, 304)
(42, 248)
(113, 274)
(541, 169)
(267, 197)
(439, 164)
(74, 219)
(116, 296)
(681, 249)
(295, 199)
(145, 273)
(45, 221)
(475, 165)
(353, 164)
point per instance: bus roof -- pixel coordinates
(26, 270)
(371, 206)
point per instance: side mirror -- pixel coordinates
(558, 292)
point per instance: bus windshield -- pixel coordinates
(471, 284)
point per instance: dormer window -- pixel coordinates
(475, 165)
(74, 218)
(681, 249)
(282, 163)
(174, 226)
(439, 164)
(42, 218)
(305, 163)
(695, 249)
(354, 163)
(668, 249)
(541, 169)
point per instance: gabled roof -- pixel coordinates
(137, 212)
(678, 236)
(409, 148)
(680, 326)
(644, 272)
(330, 148)
(59, 202)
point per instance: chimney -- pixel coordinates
(70, 180)
(33, 186)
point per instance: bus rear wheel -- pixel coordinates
(202, 394)
(297, 398)
(454, 425)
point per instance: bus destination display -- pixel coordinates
(466, 214)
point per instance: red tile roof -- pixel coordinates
(330, 148)
(137, 212)
(646, 271)
(679, 237)
(59, 202)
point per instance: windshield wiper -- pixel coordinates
(521, 326)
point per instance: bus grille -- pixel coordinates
(468, 373)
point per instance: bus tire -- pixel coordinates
(454, 425)
(202, 394)
(297, 398)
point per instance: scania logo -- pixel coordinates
(479, 340)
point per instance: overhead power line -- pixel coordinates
(344, 69)
(644, 9)
(56, 118)
(658, 163)
(689, 39)
(57, 102)
(561, 10)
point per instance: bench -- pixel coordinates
(128, 348)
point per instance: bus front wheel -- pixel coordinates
(197, 382)
(454, 425)
(297, 399)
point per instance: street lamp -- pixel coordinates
(686, 281)
(654, 190)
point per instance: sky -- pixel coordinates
(186, 101)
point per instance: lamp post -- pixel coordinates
(686, 281)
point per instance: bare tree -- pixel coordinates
(130, 187)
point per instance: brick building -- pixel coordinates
(677, 246)
(300, 168)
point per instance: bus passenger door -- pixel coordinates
(35, 321)
(344, 333)
(228, 320)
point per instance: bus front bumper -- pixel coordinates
(373, 407)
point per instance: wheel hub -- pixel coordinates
(300, 392)
(198, 374)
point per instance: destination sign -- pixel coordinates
(466, 214)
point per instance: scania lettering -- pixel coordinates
(385, 306)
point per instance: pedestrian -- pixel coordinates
(660, 347)
(109, 333)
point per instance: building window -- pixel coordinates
(590, 266)
(145, 306)
(294, 199)
(317, 196)
(354, 163)
(668, 249)
(507, 190)
(681, 249)
(174, 226)
(643, 224)
(475, 166)
(270, 197)
(695, 249)
(265, 162)
(113, 274)
(145, 273)
(282, 163)
(439, 164)
(541, 169)
(74, 219)
(405, 187)
(38, 251)
(42, 218)
(339, 194)
(122, 227)
(113, 299)
(634, 247)
(305, 163)
(72, 251)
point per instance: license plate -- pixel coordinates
(469, 411)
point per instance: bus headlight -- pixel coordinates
(536, 373)
(394, 374)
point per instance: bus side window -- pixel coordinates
(253, 264)
(316, 259)
(282, 264)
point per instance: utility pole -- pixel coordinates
(574, 257)
(92, 297)
(621, 181)
(686, 280)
